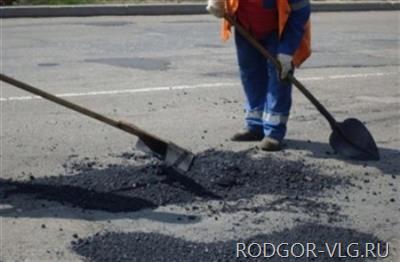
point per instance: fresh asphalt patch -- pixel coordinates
(144, 182)
(148, 183)
(114, 246)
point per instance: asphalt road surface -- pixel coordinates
(74, 189)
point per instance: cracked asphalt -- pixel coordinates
(73, 189)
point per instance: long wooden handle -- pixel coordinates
(241, 30)
(127, 127)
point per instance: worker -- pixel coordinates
(283, 28)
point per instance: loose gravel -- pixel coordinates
(148, 183)
(115, 246)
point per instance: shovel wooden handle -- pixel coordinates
(127, 127)
(241, 30)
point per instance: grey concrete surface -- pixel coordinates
(98, 10)
(172, 76)
(173, 9)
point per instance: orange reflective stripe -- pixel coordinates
(283, 14)
(304, 50)
(230, 8)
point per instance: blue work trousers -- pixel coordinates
(268, 99)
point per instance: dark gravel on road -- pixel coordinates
(143, 182)
(115, 246)
(146, 183)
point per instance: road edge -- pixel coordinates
(166, 9)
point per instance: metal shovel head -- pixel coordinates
(352, 139)
(179, 158)
(174, 156)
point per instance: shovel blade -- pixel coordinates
(179, 158)
(174, 156)
(352, 140)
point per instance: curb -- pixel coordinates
(166, 9)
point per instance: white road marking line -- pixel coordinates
(385, 99)
(358, 75)
(116, 92)
(312, 78)
(182, 87)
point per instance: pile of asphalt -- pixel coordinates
(115, 246)
(143, 182)
(146, 183)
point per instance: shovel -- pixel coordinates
(174, 156)
(349, 138)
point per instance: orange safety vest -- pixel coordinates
(283, 8)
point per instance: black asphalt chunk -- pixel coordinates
(147, 183)
(136, 246)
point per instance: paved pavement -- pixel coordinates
(172, 76)
(181, 8)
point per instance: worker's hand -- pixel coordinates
(286, 65)
(216, 8)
